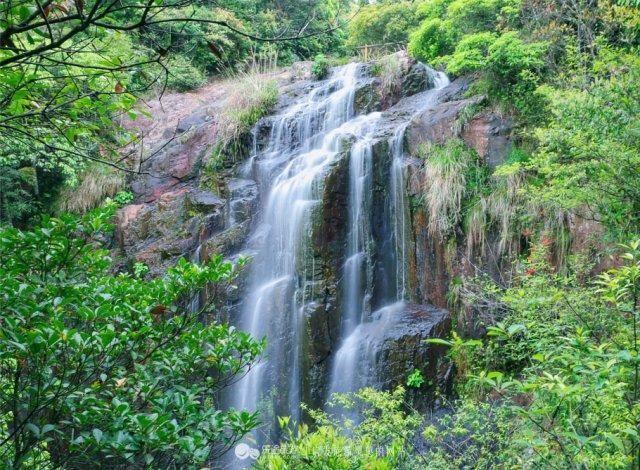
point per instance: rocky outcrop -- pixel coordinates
(489, 134)
(323, 271)
(175, 216)
(399, 345)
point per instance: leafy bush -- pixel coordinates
(473, 37)
(104, 370)
(470, 54)
(183, 75)
(588, 159)
(380, 436)
(472, 435)
(320, 67)
(432, 40)
(384, 22)
(560, 363)
(17, 190)
(470, 16)
(510, 56)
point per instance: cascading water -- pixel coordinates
(354, 363)
(304, 142)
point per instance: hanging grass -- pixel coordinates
(450, 175)
(96, 183)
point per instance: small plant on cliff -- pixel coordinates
(95, 183)
(449, 169)
(415, 379)
(109, 371)
(320, 67)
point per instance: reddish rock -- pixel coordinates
(489, 134)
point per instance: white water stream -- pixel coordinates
(305, 140)
(354, 363)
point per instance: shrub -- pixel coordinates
(380, 436)
(589, 154)
(109, 371)
(470, 16)
(17, 190)
(428, 9)
(183, 75)
(389, 70)
(320, 67)
(432, 40)
(470, 54)
(509, 56)
(560, 364)
(382, 23)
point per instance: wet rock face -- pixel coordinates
(488, 133)
(417, 79)
(323, 271)
(369, 97)
(156, 233)
(402, 348)
(393, 344)
(435, 262)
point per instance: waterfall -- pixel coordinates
(355, 361)
(304, 141)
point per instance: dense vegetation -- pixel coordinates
(547, 358)
(69, 75)
(110, 368)
(114, 370)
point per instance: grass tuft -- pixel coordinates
(447, 171)
(96, 183)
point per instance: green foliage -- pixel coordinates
(433, 39)
(415, 379)
(320, 67)
(473, 435)
(183, 75)
(474, 37)
(379, 438)
(562, 360)
(383, 23)
(471, 53)
(203, 46)
(122, 198)
(470, 16)
(588, 159)
(16, 189)
(140, 269)
(107, 370)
